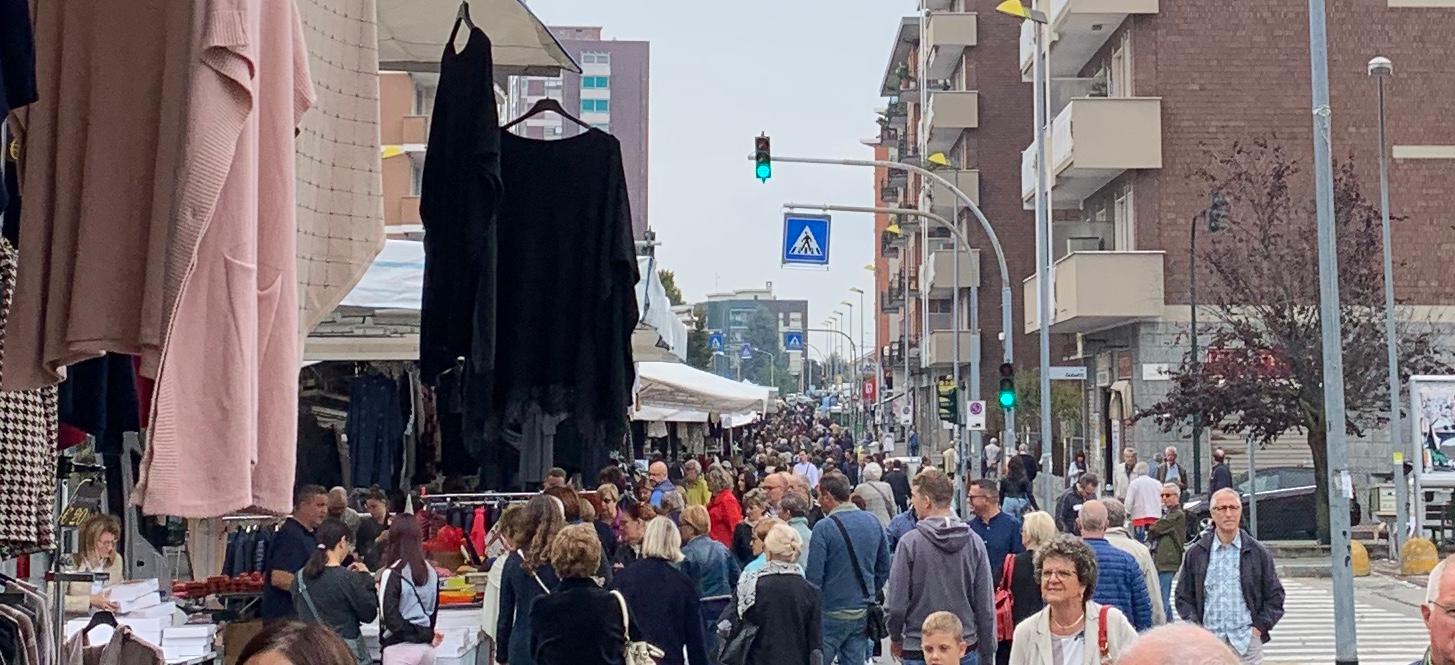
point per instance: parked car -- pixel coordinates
(1286, 506)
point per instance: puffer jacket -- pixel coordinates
(711, 566)
(1119, 583)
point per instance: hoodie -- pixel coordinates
(942, 565)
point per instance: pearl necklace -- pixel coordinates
(1069, 627)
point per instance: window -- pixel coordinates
(595, 106)
(416, 178)
(592, 58)
(423, 99)
(595, 82)
(795, 320)
(603, 126)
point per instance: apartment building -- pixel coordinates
(949, 92)
(731, 313)
(1142, 94)
(611, 93)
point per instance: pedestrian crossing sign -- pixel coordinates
(805, 240)
(714, 341)
(793, 341)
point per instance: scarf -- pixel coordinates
(748, 585)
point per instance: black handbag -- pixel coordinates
(739, 644)
(876, 626)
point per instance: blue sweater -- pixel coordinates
(1119, 583)
(1002, 536)
(828, 558)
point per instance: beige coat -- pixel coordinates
(1032, 642)
(78, 594)
(1120, 539)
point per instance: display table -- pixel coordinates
(213, 657)
(463, 636)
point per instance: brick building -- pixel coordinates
(1142, 94)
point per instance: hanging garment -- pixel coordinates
(375, 431)
(17, 63)
(566, 276)
(28, 432)
(340, 186)
(224, 432)
(101, 148)
(318, 454)
(99, 398)
(458, 195)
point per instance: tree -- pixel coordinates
(699, 355)
(669, 284)
(762, 334)
(1263, 372)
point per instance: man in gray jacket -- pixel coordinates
(940, 565)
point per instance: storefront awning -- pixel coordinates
(412, 35)
(660, 335)
(675, 386)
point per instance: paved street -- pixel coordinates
(1387, 616)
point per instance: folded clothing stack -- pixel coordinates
(135, 595)
(188, 641)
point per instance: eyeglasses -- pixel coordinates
(1226, 509)
(1448, 611)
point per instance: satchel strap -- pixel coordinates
(853, 558)
(626, 622)
(307, 598)
(1007, 569)
(1101, 641)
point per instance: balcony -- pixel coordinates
(939, 270)
(1028, 50)
(414, 129)
(1093, 140)
(409, 210)
(891, 300)
(1100, 290)
(948, 35)
(1081, 28)
(900, 57)
(943, 202)
(898, 115)
(941, 348)
(951, 112)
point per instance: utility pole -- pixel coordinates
(1381, 69)
(1346, 650)
(1043, 259)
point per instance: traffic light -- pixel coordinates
(1007, 386)
(1217, 212)
(763, 158)
(949, 397)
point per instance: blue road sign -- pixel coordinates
(793, 341)
(714, 341)
(747, 353)
(805, 240)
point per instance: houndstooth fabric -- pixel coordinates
(28, 432)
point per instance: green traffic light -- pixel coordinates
(1007, 399)
(764, 170)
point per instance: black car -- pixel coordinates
(1285, 505)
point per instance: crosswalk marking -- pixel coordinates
(1306, 634)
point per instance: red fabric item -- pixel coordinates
(1144, 521)
(724, 513)
(1005, 602)
(478, 529)
(70, 437)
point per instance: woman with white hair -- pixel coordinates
(878, 496)
(781, 605)
(663, 599)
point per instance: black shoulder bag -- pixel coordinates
(877, 628)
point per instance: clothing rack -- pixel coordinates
(477, 498)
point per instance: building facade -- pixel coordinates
(948, 94)
(611, 94)
(1143, 94)
(732, 314)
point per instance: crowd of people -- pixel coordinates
(806, 549)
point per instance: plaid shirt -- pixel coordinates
(1226, 614)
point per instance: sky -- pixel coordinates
(806, 72)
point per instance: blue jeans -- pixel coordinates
(1165, 579)
(971, 658)
(846, 640)
(711, 610)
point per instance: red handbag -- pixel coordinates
(1005, 602)
(1101, 640)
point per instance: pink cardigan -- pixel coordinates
(224, 423)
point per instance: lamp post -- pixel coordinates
(855, 371)
(1381, 69)
(1216, 215)
(863, 407)
(1043, 226)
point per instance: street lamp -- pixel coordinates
(854, 366)
(1381, 69)
(863, 352)
(1216, 215)
(1043, 224)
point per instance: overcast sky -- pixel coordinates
(807, 72)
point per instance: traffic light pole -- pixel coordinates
(1007, 332)
(962, 245)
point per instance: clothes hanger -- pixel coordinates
(543, 105)
(463, 15)
(100, 618)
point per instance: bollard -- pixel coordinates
(1418, 557)
(1359, 558)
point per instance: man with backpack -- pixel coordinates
(940, 565)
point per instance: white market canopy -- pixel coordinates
(678, 387)
(412, 36)
(395, 282)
